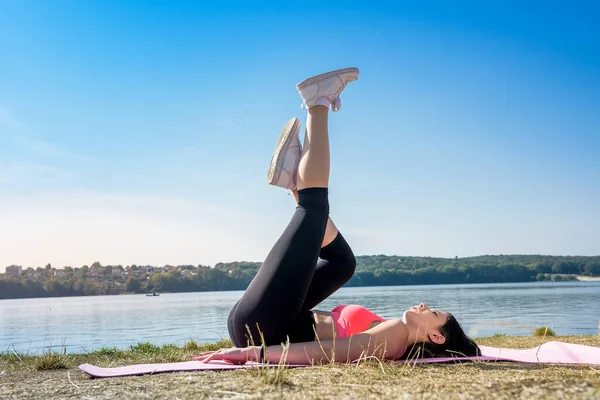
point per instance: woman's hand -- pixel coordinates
(234, 355)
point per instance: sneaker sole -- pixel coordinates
(290, 130)
(324, 76)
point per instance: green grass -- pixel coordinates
(145, 348)
(144, 352)
(108, 351)
(51, 360)
(47, 360)
(544, 331)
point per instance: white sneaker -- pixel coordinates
(325, 89)
(286, 158)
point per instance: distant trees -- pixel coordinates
(133, 285)
(376, 270)
(592, 269)
(568, 267)
(502, 268)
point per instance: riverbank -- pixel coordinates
(584, 278)
(56, 376)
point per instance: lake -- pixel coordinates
(88, 323)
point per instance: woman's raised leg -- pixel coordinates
(313, 170)
(271, 306)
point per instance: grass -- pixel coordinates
(140, 353)
(51, 360)
(192, 346)
(109, 351)
(55, 375)
(48, 360)
(544, 331)
(275, 374)
(145, 348)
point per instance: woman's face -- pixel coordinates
(426, 322)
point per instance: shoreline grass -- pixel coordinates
(54, 374)
(147, 352)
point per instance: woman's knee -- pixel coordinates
(348, 267)
(339, 253)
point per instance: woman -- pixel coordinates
(311, 260)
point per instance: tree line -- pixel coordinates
(375, 270)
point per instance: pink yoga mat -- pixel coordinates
(143, 369)
(548, 353)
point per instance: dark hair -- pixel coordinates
(457, 344)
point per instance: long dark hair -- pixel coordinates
(457, 344)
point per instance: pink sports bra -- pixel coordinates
(353, 319)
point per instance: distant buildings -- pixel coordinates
(14, 270)
(96, 273)
(61, 273)
(116, 273)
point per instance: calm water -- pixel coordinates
(88, 323)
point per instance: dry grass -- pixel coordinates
(51, 360)
(370, 379)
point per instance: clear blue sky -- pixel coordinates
(140, 131)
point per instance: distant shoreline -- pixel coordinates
(581, 278)
(584, 278)
(370, 271)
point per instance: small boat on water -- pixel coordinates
(153, 295)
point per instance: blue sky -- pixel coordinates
(139, 132)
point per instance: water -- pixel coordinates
(88, 323)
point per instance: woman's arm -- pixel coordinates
(387, 340)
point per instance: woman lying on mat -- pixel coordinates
(311, 260)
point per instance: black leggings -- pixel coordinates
(292, 280)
